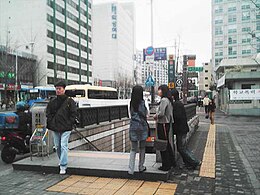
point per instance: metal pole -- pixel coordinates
(185, 79)
(16, 76)
(152, 64)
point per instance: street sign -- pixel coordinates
(160, 54)
(149, 51)
(179, 82)
(195, 69)
(149, 81)
(171, 85)
(192, 74)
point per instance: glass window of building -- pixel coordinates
(218, 9)
(246, 16)
(232, 18)
(232, 28)
(218, 30)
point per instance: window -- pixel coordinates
(218, 9)
(257, 25)
(246, 51)
(232, 29)
(218, 20)
(232, 9)
(245, 16)
(244, 7)
(206, 85)
(247, 86)
(99, 94)
(246, 29)
(218, 1)
(206, 71)
(232, 40)
(218, 43)
(206, 78)
(232, 18)
(218, 30)
(75, 93)
(246, 40)
(253, 70)
(232, 51)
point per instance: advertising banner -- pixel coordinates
(245, 94)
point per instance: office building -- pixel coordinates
(114, 45)
(205, 77)
(235, 30)
(57, 31)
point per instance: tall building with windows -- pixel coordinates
(57, 31)
(235, 29)
(205, 77)
(114, 44)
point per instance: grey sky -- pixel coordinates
(188, 19)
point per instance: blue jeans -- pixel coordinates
(61, 141)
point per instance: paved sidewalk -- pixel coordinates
(237, 167)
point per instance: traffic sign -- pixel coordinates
(149, 51)
(171, 85)
(179, 82)
(149, 81)
(195, 69)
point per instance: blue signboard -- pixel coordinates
(159, 53)
(149, 81)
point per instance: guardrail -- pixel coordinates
(95, 115)
(190, 111)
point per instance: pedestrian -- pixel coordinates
(164, 120)
(212, 108)
(138, 131)
(61, 115)
(206, 105)
(180, 129)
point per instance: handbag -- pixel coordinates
(161, 144)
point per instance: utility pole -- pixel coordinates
(185, 79)
(152, 87)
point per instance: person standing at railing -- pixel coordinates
(164, 120)
(138, 131)
(61, 115)
(180, 129)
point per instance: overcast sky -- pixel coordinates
(188, 20)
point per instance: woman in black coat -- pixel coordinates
(180, 129)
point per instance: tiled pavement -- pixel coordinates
(237, 164)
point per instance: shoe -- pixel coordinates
(143, 170)
(62, 170)
(164, 168)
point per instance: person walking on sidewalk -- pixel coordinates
(212, 108)
(164, 120)
(138, 131)
(206, 101)
(180, 129)
(61, 114)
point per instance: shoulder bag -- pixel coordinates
(161, 144)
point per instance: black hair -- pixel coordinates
(175, 94)
(60, 84)
(165, 92)
(136, 97)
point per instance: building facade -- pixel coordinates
(17, 71)
(59, 32)
(114, 45)
(235, 29)
(205, 77)
(242, 76)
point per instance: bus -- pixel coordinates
(94, 96)
(36, 94)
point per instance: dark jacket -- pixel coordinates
(61, 114)
(212, 107)
(138, 130)
(180, 125)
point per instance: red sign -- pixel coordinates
(11, 87)
(2, 86)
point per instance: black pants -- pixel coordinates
(206, 109)
(187, 156)
(168, 159)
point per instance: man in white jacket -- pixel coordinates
(206, 101)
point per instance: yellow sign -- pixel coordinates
(171, 85)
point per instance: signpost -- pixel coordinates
(179, 82)
(149, 81)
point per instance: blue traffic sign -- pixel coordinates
(149, 81)
(149, 51)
